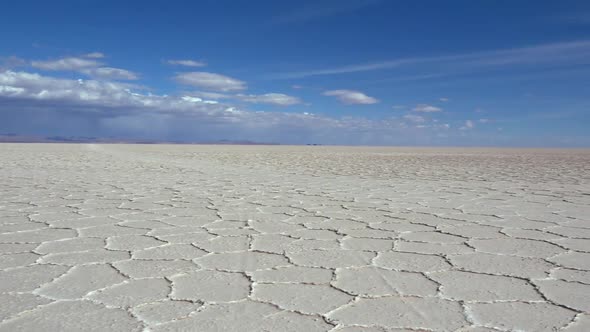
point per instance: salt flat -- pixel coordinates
(277, 238)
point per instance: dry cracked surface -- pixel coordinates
(252, 238)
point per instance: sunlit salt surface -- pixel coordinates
(278, 238)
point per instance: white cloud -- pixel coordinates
(103, 96)
(94, 55)
(187, 63)
(86, 65)
(89, 95)
(210, 81)
(66, 64)
(278, 99)
(468, 125)
(11, 91)
(110, 73)
(198, 100)
(444, 99)
(105, 108)
(414, 118)
(484, 120)
(270, 98)
(424, 108)
(351, 97)
(192, 99)
(211, 95)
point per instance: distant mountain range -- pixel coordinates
(16, 138)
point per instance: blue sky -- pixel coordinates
(354, 72)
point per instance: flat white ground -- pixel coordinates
(276, 238)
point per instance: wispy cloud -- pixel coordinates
(210, 81)
(351, 97)
(11, 62)
(565, 53)
(66, 64)
(94, 55)
(414, 118)
(86, 64)
(110, 73)
(424, 108)
(278, 99)
(198, 100)
(211, 95)
(186, 63)
(468, 125)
